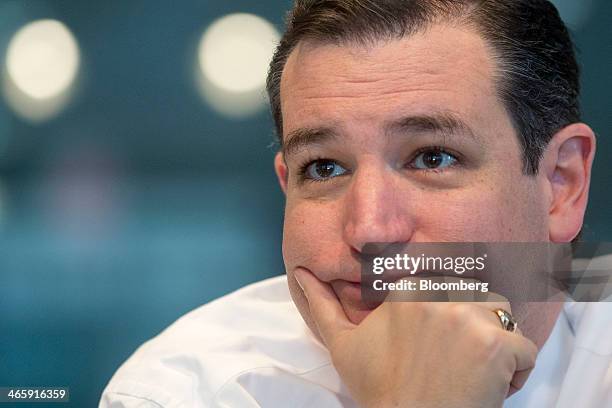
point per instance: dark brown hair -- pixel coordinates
(537, 73)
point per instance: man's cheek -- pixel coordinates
(456, 218)
(484, 206)
(311, 233)
(515, 216)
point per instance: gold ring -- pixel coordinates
(507, 321)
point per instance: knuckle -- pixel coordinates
(459, 315)
(490, 343)
(416, 309)
(425, 308)
(532, 351)
(413, 314)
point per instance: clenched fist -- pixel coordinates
(421, 354)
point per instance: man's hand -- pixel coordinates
(421, 354)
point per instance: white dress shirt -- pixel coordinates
(251, 348)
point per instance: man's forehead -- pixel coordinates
(446, 65)
(439, 47)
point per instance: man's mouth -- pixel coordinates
(349, 294)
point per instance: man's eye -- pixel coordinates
(322, 170)
(433, 159)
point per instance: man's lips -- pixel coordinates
(350, 291)
(349, 294)
(347, 287)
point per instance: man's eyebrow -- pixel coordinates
(302, 138)
(442, 123)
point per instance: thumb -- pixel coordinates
(325, 308)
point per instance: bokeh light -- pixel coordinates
(233, 58)
(42, 62)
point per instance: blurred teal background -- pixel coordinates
(139, 201)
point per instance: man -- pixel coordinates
(402, 121)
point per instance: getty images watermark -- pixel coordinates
(411, 265)
(520, 272)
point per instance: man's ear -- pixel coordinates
(567, 165)
(281, 171)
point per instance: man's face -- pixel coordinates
(402, 141)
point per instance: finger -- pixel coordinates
(494, 302)
(490, 302)
(518, 380)
(486, 311)
(325, 308)
(523, 350)
(511, 391)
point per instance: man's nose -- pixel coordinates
(376, 210)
